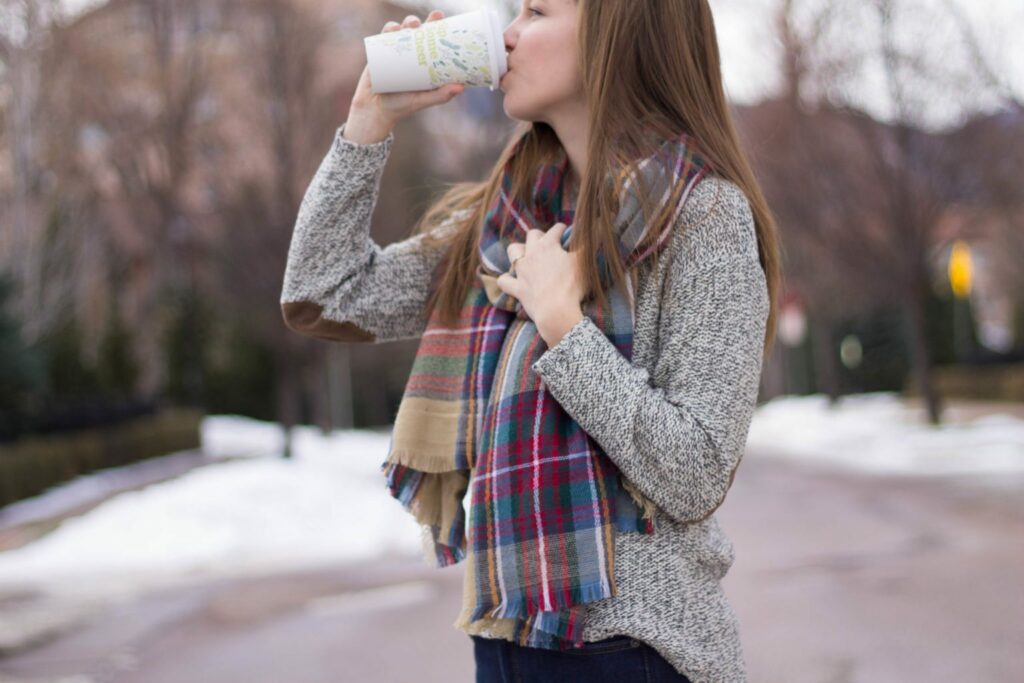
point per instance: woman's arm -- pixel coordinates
(679, 439)
(339, 284)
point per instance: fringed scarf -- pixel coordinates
(545, 500)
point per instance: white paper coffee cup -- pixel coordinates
(465, 48)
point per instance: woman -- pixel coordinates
(594, 407)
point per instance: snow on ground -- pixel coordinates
(329, 504)
(879, 433)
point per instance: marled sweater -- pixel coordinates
(674, 419)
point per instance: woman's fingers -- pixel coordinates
(439, 95)
(515, 249)
(412, 21)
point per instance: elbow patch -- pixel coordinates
(306, 317)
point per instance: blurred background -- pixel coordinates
(190, 491)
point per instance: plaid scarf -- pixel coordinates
(545, 499)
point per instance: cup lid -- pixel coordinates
(499, 60)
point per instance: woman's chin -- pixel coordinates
(514, 112)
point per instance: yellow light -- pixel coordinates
(960, 269)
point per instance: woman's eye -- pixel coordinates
(533, 10)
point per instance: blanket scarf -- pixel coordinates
(545, 500)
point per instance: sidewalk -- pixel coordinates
(27, 520)
(30, 616)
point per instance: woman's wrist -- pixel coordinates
(365, 130)
(552, 327)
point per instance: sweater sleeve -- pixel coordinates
(680, 439)
(339, 284)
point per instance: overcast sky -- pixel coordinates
(750, 53)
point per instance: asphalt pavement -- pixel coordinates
(839, 578)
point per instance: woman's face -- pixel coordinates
(543, 80)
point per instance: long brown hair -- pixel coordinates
(647, 65)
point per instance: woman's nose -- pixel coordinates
(509, 36)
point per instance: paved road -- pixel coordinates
(845, 579)
(838, 579)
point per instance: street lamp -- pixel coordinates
(960, 275)
(960, 269)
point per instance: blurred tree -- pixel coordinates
(861, 225)
(241, 377)
(883, 360)
(67, 372)
(1018, 326)
(186, 348)
(116, 364)
(134, 109)
(281, 47)
(21, 369)
(174, 127)
(25, 27)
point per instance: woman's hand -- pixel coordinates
(547, 282)
(373, 115)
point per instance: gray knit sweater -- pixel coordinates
(674, 419)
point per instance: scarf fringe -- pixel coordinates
(520, 621)
(529, 625)
(646, 505)
(404, 485)
(420, 458)
(512, 607)
(438, 554)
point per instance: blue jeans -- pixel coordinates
(619, 659)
